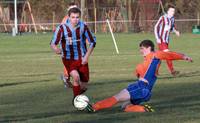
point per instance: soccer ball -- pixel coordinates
(81, 102)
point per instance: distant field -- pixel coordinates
(31, 92)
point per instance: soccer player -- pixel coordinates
(65, 77)
(73, 49)
(140, 91)
(162, 29)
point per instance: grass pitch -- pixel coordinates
(31, 92)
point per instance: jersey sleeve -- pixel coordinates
(90, 36)
(57, 36)
(173, 27)
(169, 55)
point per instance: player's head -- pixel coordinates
(74, 15)
(170, 10)
(146, 46)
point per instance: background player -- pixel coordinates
(162, 29)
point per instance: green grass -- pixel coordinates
(31, 92)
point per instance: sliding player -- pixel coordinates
(140, 91)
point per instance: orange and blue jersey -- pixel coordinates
(146, 72)
(73, 40)
(148, 69)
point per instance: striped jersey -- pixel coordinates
(150, 66)
(163, 28)
(72, 41)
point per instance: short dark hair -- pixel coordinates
(171, 6)
(147, 43)
(74, 10)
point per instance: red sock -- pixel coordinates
(170, 65)
(76, 90)
(106, 103)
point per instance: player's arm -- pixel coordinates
(172, 56)
(173, 28)
(56, 40)
(157, 29)
(92, 42)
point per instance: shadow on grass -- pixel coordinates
(21, 83)
(26, 117)
(182, 74)
(177, 96)
(110, 82)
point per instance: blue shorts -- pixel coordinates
(139, 92)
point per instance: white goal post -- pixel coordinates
(113, 37)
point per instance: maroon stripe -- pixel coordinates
(168, 21)
(59, 35)
(166, 35)
(78, 42)
(162, 28)
(70, 46)
(63, 42)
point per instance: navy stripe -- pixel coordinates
(63, 42)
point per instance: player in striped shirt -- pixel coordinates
(162, 29)
(65, 76)
(140, 91)
(73, 49)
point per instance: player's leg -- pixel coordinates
(139, 93)
(67, 68)
(109, 102)
(84, 77)
(76, 80)
(164, 47)
(170, 66)
(66, 78)
(72, 67)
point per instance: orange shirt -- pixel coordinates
(150, 61)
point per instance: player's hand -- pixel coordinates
(177, 33)
(158, 41)
(84, 60)
(57, 51)
(187, 58)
